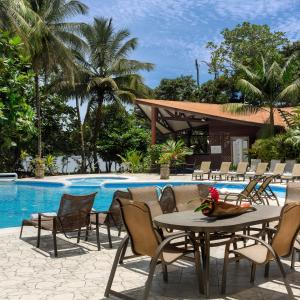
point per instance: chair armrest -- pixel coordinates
(44, 215)
(243, 236)
(99, 212)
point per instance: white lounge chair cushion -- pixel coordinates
(46, 214)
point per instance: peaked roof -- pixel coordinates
(191, 112)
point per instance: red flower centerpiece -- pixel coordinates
(213, 207)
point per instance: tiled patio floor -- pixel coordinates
(81, 272)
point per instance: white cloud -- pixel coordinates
(290, 25)
(253, 9)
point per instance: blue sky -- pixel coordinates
(172, 33)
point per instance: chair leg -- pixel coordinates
(165, 272)
(21, 229)
(253, 269)
(38, 238)
(150, 278)
(114, 266)
(54, 243)
(267, 269)
(123, 252)
(109, 235)
(86, 233)
(98, 234)
(78, 235)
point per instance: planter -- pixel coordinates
(164, 171)
(39, 170)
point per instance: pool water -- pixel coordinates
(19, 200)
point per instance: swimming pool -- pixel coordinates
(20, 199)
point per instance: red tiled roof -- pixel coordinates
(216, 111)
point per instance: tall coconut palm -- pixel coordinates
(108, 73)
(267, 88)
(49, 40)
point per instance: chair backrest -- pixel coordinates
(292, 192)
(264, 185)
(279, 169)
(148, 195)
(242, 167)
(250, 187)
(225, 166)
(138, 223)
(273, 163)
(296, 170)
(287, 230)
(189, 197)
(205, 166)
(289, 167)
(261, 169)
(167, 200)
(74, 211)
(253, 164)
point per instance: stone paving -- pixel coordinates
(81, 272)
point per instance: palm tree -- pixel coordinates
(269, 87)
(48, 38)
(108, 74)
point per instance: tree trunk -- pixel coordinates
(272, 131)
(96, 132)
(80, 126)
(38, 114)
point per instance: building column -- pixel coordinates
(154, 113)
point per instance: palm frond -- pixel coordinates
(291, 91)
(248, 88)
(248, 72)
(240, 108)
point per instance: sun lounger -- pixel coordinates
(260, 170)
(253, 164)
(291, 176)
(289, 165)
(277, 172)
(224, 169)
(204, 169)
(240, 171)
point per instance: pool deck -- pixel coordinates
(81, 272)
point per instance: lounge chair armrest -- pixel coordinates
(243, 236)
(44, 215)
(96, 212)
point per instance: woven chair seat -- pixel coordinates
(257, 253)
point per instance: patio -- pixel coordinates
(82, 272)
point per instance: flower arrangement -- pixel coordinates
(213, 207)
(209, 203)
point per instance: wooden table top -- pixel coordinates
(197, 222)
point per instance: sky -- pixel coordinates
(173, 33)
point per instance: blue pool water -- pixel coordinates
(19, 200)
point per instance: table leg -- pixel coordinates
(206, 263)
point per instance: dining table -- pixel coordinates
(196, 222)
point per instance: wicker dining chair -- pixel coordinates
(73, 215)
(281, 242)
(145, 240)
